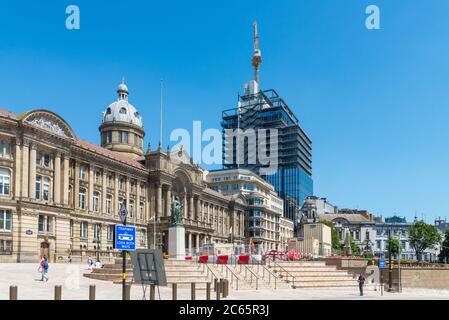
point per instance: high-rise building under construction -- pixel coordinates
(290, 150)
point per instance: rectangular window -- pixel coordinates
(38, 158)
(83, 230)
(45, 224)
(1, 148)
(111, 230)
(5, 220)
(82, 198)
(5, 247)
(47, 160)
(96, 201)
(109, 137)
(120, 202)
(108, 204)
(38, 187)
(46, 188)
(7, 150)
(83, 171)
(125, 137)
(4, 181)
(97, 177)
(131, 208)
(71, 228)
(97, 232)
(141, 211)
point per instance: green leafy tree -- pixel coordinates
(354, 247)
(395, 246)
(444, 253)
(423, 236)
(337, 246)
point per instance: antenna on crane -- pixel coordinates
(257, 57)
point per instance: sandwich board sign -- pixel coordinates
(125, 237)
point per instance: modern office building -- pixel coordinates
(263, 125)
(264, 221)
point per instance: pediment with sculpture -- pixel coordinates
(50, 122)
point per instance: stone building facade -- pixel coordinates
(60, 195)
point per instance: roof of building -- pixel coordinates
(110, 154)
(7, 114)
(352, 218)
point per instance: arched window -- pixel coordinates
(123, 111)
(108, 111)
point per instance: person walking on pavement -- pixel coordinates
(43, 268)
(361, 282)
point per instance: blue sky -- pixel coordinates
(374, 102)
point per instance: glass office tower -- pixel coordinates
(292, 177)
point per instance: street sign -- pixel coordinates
(148, 267)
(123, 212)
(125, 237)
(382, 263)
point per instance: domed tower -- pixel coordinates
(122, 126)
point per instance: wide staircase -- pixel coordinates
(312, 274)
(181, 272)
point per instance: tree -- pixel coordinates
(444, 253)
(395, 246)
(337, 246)
(422, 236)
(354, 247)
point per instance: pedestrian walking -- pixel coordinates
(361, 282)
(90, 263)
(43, 268)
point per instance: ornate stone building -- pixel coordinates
(59, 195)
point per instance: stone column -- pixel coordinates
(25, 169)
(76, 185)
(90, 192)
(159, 200)
(17, 169)
(32, 181)
(115, 207)
(190, 242)
(138, 202)
(57, 179)
(104, 191)
(127, 190)
(65, 180)
(197, 242)
(168, 202)
(191, 207)
(186, 212)
(198, 209)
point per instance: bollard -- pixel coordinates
(174, 291)
(127, 292)
(12, 292)
(215, 284)
(192, 290)
(58, 292)
(152, 291)
(226, 288)
(221, 285)
(208, 291)
(218, 292)
(92, 292)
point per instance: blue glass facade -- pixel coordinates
(292, 178)
(294, 185)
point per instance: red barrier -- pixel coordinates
(243, 259)
(188, 258)
(203, 259)
(222, 259)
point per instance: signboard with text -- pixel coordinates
(125, 238)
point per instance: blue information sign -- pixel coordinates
(125, 238)
(382, 263)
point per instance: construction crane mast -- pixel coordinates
(257, 57)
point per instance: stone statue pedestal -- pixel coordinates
(176, 243)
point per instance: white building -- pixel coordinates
(264, 221)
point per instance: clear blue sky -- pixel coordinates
(375, 103)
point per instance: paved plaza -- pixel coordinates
(76, 287)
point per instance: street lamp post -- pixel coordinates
(390, 270)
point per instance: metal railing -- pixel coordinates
(278, 268)
(271, 276)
